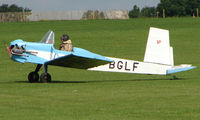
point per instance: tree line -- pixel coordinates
(168, 8)
(13, 8)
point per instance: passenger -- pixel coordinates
(66, 43)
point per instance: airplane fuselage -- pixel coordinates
(40, 53)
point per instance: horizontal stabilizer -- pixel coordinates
(180, 68)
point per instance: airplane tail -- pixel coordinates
(158, 49)
(158, 58)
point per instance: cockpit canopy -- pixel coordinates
(48, 38)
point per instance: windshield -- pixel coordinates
(48, 38)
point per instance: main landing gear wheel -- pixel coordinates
(45, 78)
(33, 77)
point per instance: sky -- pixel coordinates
(73, 5)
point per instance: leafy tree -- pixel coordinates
(173, 7)
(148, 12)
(178, 7)
(192, 5)
(135, 12)
(93, 15)
(4, 8)
(13, 8)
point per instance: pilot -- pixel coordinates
(66, 43)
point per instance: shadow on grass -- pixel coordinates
(98, 81)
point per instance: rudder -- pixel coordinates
(158, 48)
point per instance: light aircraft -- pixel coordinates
(158, 57)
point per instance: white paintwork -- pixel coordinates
(130, 66)
(158, 48)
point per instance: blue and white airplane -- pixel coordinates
(158, 57)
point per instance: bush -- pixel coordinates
(93, 15)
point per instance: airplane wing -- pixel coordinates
(48, 38)
(81, 59)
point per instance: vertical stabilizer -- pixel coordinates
(158, 48)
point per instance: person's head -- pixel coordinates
(64, 37)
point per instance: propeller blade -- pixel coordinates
(8, 50)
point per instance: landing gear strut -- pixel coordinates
(45, 77)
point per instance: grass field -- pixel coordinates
(86, 95)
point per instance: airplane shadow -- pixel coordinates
(98, 81)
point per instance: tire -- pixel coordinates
(45, 78)
(33, 77)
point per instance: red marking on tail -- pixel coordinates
(159, 41)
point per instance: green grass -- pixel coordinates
(85, 95)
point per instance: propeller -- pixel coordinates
(8, 50)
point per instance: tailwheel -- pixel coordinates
(175, 78)
(33, 77)
(45, 78)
